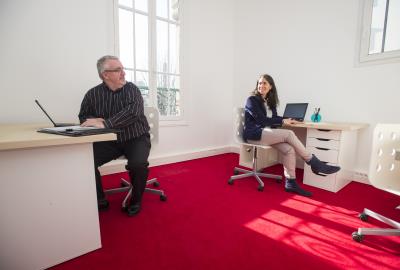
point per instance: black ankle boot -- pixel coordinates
(133, 209)
(292, 186)
(317, 166)
(102, 204)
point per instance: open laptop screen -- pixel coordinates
(54, 123)
(296, 111)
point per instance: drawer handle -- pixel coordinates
(321, 148)
(325, 130)
(320, 139)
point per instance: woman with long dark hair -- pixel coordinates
(259, 128)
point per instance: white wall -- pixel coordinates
(309, 48)
(207, 75)
(49, 51)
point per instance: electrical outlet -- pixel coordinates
(360, 176)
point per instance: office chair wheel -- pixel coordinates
(156, 184)
(357, 237)
(260, 188)
(230, 181)
(163, 198)
(235, 172)
(363, 216)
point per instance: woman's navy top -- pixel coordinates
(255, 118)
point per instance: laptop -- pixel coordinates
(296, 111)
(77, 131)
(72, 129)
(54, 123)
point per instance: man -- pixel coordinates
(118, 104)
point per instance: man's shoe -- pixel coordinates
(317, 166)
(102, 204)
(292, 186)
(133, 209)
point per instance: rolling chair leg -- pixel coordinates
(126, 186)
(253, 172)
(152, 181)
(359, 235)
(160, 192)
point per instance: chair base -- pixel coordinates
(256, 174)
(127, 187)
(359, 235)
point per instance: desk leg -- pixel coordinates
(48, 206)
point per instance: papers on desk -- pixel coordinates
(76, 130)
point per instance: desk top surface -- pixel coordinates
(331, 125)
(20, 136)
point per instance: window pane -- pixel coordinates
(135, 48)
(162, 8)
(162, 94)
(142, 82)
(127, 3)
(162, 46)
(173, 49)
(168, 95)
(126, 37)
(141, 41)
(129, 75)
(174, 10)
(393, 27)
(174, 96)
(377, 23)
(141, 5)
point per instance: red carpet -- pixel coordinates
(208, 224)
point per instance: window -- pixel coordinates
(380, 35)
(149, 47)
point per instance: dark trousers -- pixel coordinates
(136, 151)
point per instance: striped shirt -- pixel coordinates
(121, 109)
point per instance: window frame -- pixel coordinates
(365, 32)
(167, 120)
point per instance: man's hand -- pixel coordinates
(290, 121)
(93, 122)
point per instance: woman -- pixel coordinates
(261, 129)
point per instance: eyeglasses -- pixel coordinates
(119, 70)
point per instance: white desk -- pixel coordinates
(335, 143)
(48, 206)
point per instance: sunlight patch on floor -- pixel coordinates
(318, 229)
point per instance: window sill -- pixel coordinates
(380, 58)
(173, 123)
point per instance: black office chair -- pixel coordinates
(253, 148)
(152, 117)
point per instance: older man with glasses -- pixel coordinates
(118, 104)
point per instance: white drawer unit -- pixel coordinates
(336, 147)
(326, 182)
(325, 154)
(324, 134)
(323, 143)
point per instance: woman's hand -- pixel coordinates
(290, 121)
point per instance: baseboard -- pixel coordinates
(118, 165)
